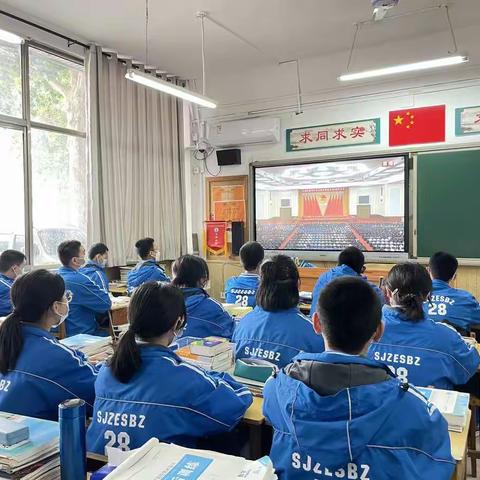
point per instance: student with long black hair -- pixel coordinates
(275, 330)
(36, 371)
(147, 391)
(415, 348)
(206, 317)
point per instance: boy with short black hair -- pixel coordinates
(147, 269)
(95, 267)
(351, 262)
(448, 304)
(12, 263)
(88, 299)
(339, 414)
(242, 290)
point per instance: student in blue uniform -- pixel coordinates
(275, 330)
(206, 317)
(447, 304)
(338, 414)
(89, 299)
(414, 347)
(36, 371)
(351, 262)
(147, 391)
(95, 267)
(242, 290)
(12, 264)
(147, 269)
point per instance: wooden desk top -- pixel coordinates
(254, 414)
(458, 441)
(118, 289)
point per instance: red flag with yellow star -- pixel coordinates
(417, 125)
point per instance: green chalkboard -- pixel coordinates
(448, 203)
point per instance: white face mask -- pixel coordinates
(104, 263)
(158, 257)
(81, 261)
(178, 334)
(63, 317)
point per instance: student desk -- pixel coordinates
(255, 420)
(118, 317)
(116, 289)
(459, 451)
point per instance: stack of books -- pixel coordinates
(162, 461)
(36, 457)
(452, 405)
(90, 345)
(210, 353)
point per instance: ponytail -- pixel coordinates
(411, 305)
(154, 310)
(278, 288)
(11, 342)
(410, 285)
(126, 361)
(32, 296)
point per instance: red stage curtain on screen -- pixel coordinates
(323, 203)
(335, 205)
(417, 125)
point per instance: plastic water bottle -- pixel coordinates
(73, 454)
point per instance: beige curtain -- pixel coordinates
(136, 160)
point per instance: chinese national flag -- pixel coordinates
(417, 125)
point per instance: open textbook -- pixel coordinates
(162, 461)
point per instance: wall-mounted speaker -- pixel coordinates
(232, 156)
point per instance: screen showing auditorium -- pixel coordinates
(328, 206)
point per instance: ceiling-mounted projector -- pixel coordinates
(381, 7)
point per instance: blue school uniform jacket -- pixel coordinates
(145, 271)
(242, 290)
(424, 353)
(205, 316)
(458, 307)
(5, 302)
(275, 336)
(46, 373)
(88, 300)
(167, 398)
(343, 416)
(97, 274)
(337, 272)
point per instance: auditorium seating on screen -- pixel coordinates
(323, 236)
(271, 235)
(387, 237)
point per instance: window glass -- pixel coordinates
(10, 80)
(12, 211)
(59, 192)
(57, 91)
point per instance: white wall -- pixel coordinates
(268, 203)
(452, 94)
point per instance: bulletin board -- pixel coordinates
(227, 199)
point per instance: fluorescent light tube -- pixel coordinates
(408, 67)
(10, 37)
(166, 87)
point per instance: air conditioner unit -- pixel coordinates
(244, 132)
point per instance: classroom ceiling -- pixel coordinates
(281, 29)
